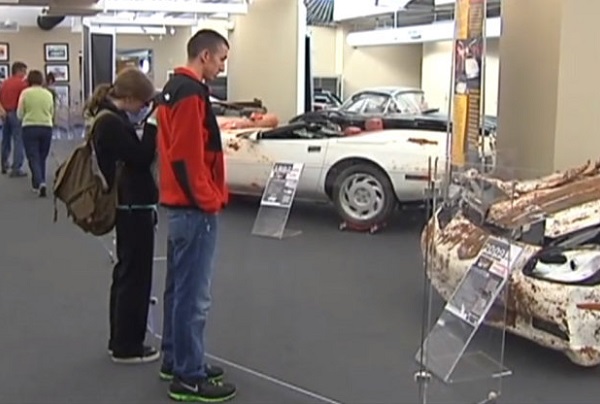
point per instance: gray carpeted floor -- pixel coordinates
(331, 312)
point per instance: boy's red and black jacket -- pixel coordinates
(191, 167)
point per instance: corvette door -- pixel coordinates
(250, 163)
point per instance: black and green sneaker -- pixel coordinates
(213, 373)
(205, 391)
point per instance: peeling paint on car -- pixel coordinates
(554, 315)
(422, 141)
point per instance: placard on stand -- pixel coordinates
(451, 351)
(276, 203)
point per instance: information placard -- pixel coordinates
(282, 184)
(448, 342)
(277, 199)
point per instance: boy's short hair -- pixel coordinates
(205, 39)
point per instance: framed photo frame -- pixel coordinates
(60, 72)
(4, 52)
(63, 94)
(56, 52)
(4, 71)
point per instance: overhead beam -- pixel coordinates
(345, 10)
(182, 6)
(33, 3)
(144, 21)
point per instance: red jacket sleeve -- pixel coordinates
(187, 156)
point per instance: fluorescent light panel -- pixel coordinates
(351, 9)
(139, 30)
(441, 31)
(179, 6)
(145, 21)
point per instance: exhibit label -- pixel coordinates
(484, 281)
(468, 83)
(282, 184)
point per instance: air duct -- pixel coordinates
(47, 23)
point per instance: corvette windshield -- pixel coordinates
(412, 102)
(405, 102)
(366, 102)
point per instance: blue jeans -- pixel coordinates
(191, 248)
(36, 140)
(11, 137)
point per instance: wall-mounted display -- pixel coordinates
(60, 72)
(4, 52)
(4, 71)
(56, 52)
(63, 94)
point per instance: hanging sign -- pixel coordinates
(468, 83)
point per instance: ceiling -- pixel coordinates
(415, 12)
(164, 13)
(174, 13)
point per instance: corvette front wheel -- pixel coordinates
(363, 196)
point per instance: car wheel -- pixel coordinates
(363, 195)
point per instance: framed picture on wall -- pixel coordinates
(60, 72)
(4, 71)
(4, 52)
(63, 94)
(56, 52)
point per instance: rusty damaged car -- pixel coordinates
(553, 291)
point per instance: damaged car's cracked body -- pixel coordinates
(242, 114)
(553, 292)
(237, 108)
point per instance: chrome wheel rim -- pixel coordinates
(362, 196)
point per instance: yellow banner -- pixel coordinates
(468, 85)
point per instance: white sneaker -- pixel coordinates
(149, 355)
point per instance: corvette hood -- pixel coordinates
(567, 200)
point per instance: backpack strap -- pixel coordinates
(89, 134)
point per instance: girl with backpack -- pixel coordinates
(125, 160)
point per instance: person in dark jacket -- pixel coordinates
(117, 144)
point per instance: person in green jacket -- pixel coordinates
(36, 112)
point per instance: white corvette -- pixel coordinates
(365, 174)
(554, 289)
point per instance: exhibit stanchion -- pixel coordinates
(423, 376)
(277, 200)
(471, 266)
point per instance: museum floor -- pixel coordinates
(325, 317)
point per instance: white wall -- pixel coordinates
(437, 70)
(264, 60)
(324, 51)
(374, 66)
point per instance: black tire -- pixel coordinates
(381, 184)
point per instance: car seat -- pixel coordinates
(374, 124)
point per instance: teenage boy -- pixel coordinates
(192, 188)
